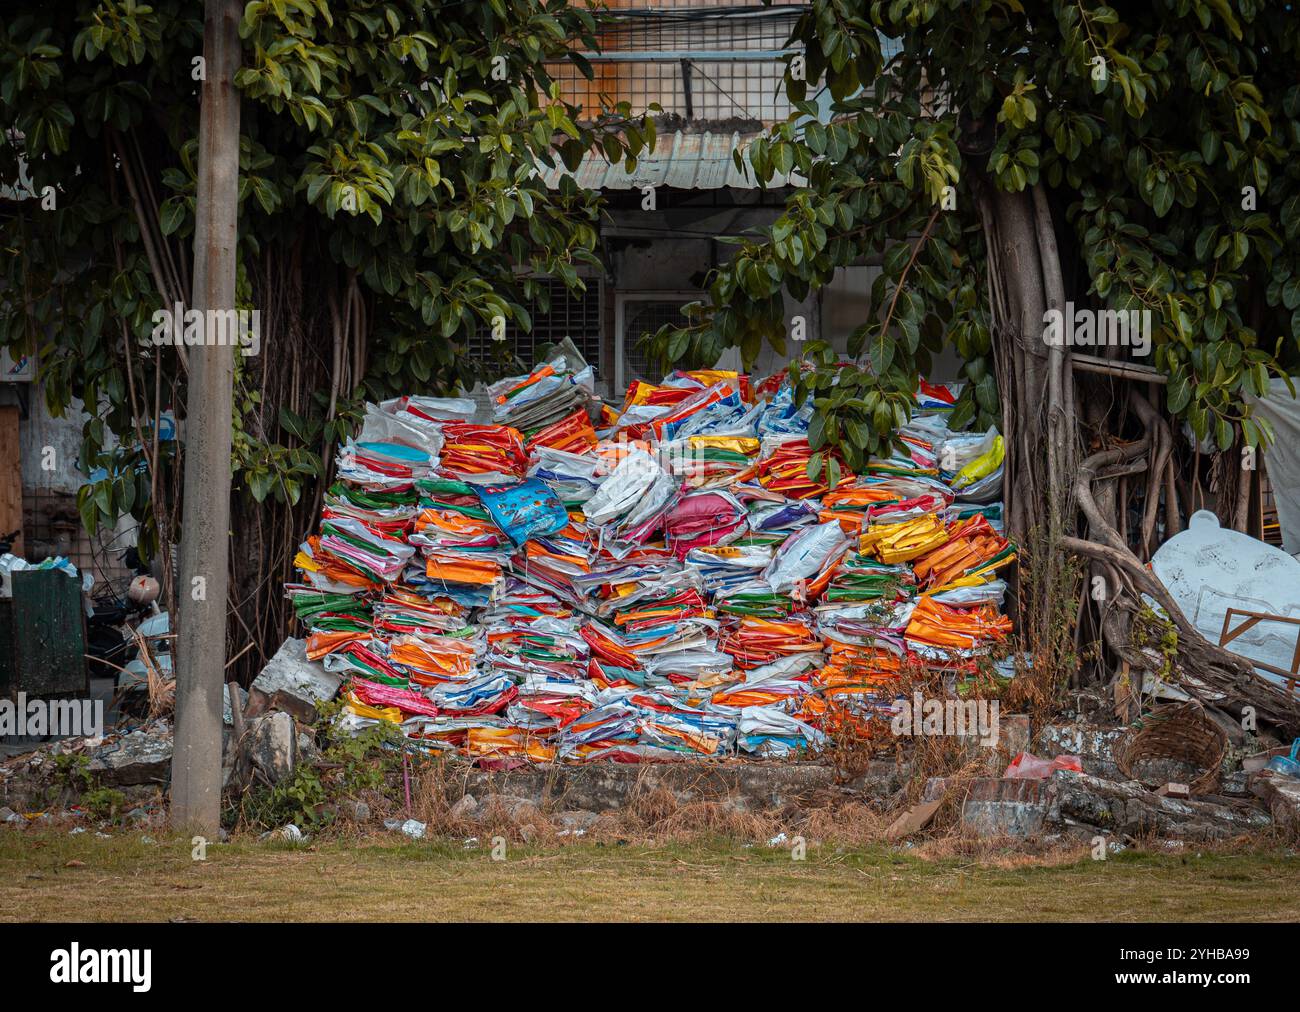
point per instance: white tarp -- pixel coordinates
(1209, 569)
(1282, 459)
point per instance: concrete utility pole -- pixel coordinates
(201, 642)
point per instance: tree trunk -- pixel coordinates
(201, 643)
(1047, 492)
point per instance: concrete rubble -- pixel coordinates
(753, 786)
(144, 756)
(1090, 743)
(136, 762)
(292, 683)
(281, 703)
(1100, 800)
(1282, 795)
(1132, 809)
(465, 808)
(358, 811)
(272, 746)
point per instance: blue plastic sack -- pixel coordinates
(525, 509)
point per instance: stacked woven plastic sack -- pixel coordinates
(570, 582)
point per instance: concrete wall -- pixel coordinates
(40, 430)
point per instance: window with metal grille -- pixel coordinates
(52, 526)
(703, 61)
(572, 315)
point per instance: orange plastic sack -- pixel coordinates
(941, 625)
(459, 569)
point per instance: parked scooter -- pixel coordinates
(119, 621)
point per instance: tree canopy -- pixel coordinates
(1165, 133)
(390, 149)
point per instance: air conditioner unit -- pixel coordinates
(639, 313)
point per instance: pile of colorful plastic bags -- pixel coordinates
(567, 581)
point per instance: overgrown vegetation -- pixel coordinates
(1158, 636)
(72, 773)
(104, 803)
(1166, 135)
(390, 186)
(310, 798)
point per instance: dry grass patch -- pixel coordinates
(53, 876)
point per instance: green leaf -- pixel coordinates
(171, 215)
(294, 424)
(259, 484)
(817, 430)
(1223, 433)
(88, 509)
(1178, 394)
(677, 344)
(1291, 292)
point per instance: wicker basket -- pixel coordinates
(1181, 732)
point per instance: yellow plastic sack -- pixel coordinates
(389, 713)
(711, 376)
(904, 541)
(982, 466)
(976, 579)
(737, 444)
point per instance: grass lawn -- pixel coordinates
(54, 876)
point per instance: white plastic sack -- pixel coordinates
(805, 554)
(380, 426)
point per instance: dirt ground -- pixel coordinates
(50, 875)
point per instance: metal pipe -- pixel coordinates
(677, 55)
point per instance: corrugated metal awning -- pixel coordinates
(683, 161)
